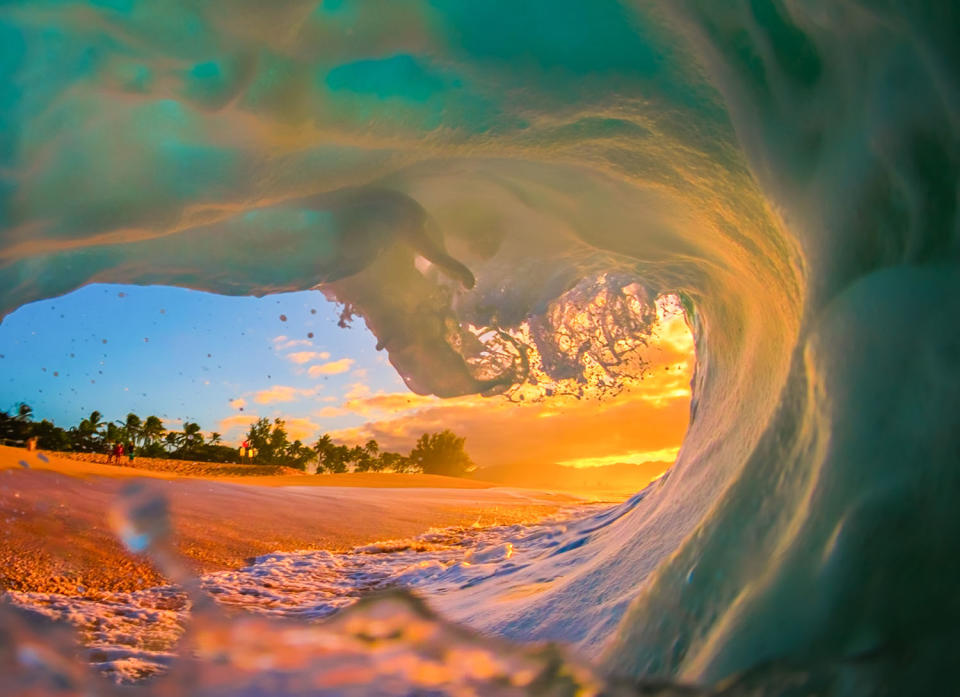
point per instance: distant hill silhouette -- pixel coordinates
(621, 479)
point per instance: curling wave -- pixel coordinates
(454, 173)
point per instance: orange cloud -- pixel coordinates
(331, 368)
(238, 403)
(236, 421)
(281, 393)
(283, 342)
(389, 402)
(357, 390)
(501, 432)
(646, 422)
(664, 455)
(298, 428)
(301, 429)
(301, 357)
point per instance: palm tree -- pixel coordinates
(152, 430)
(89, 431)
(114, 433)
(93, 422)
(172, 441)
(132, 427)
(324, 449)
(191, 435)
(323, 444)
(214, 438)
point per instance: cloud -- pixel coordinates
(281, 393)
(501, 432)
(360, 400)
(298, 428)
(665, 455)
(236, 421)
(301, 357)
(301, 429)
(357, 390)
(331, 368)
(647, 422)
(388, 402)
(238, 403)
(283, 342)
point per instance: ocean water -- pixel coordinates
(133, 635)
(464, 176)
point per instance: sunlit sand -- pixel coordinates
(57, 537)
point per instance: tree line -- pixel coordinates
(94, 434)
(434, 453)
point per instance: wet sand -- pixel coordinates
(56, 535)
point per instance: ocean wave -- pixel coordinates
(788, 169)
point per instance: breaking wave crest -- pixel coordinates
(475, 181)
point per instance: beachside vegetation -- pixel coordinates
(267, 442)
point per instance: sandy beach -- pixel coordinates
(56, 535)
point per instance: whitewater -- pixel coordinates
(133, 635)
(462, 177)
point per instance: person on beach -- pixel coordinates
(117, 453)
(130, 453)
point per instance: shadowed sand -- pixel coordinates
(56, 535)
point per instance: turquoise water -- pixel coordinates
(789, 168)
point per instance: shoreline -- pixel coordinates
(57, 536)
(86, 464)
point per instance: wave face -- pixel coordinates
(452, 171)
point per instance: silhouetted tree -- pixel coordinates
(16, 427)
(132, 429)
(152, 433)
(171, 441)
(442, 453)
(192, 436)
(395, 462)
(114, 433)
(51, 437)
(297, 455)
(87, 435)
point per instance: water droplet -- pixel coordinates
(140, 517)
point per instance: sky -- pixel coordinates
(225, 361)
